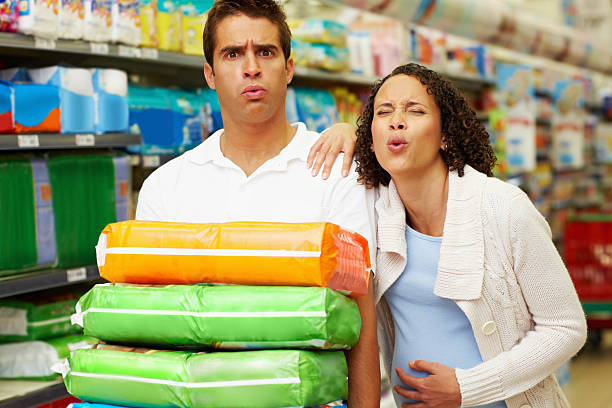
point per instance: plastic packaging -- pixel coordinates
(37, 108)
(34, 359)
(248, 253)
(126, 22)
(7, 107)
(148, 23)
(321, 56)
(27, 232)
(151, 378)
(168, 25)
(9, 15)
(76, 96)
(98, 20)
(111, 106)
(89, 191)
(25, 19)
(193, 18)
(316, 30)
(72, 19)
(316, 108)
(45, 22)
(227, 317)
(22, 321)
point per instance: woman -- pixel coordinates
(474, 303)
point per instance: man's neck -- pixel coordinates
(251, 145)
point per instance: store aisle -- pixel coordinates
(591, 376)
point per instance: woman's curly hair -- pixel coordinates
(467, 141)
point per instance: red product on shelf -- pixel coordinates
(588, 256)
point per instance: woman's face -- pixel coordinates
(405, 127)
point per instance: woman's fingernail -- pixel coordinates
(325, 174)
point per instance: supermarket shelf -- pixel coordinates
(139, 60)
(31, 394)
(66, 141)
(151, 161)
(46, 279)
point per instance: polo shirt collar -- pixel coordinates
(210, 149)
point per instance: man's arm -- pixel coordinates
(149, 207)
(363, 361)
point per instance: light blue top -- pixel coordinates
(428, 327)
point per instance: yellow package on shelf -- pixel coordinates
(148, 23)
(246, 253)
(168, 24)
(193, 19)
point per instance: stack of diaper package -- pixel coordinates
(61, 99)
(220, 315)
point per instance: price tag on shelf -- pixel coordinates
(151, 161)
(85, 140)
(44, 43)
(76, 274)
(150, 53)
(99, 48)
(130, 52)
(27, 141)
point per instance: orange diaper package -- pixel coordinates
(245, 253)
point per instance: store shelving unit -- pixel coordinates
(46, 279)
(35, 395)
(157, 62)
(66, 141)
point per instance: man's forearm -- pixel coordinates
(363, 361)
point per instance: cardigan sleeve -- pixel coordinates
(558, 322)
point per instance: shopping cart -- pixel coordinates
(588, 256)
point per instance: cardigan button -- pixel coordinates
(489, 328)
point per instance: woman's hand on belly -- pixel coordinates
(439, 389)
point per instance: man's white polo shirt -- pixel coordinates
(203, 186)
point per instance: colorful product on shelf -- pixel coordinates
(193, 18)
(98, 20)
(89, 191)
(568, 125)
(22, 321)
(37, 108)
(110, 90)
(126, 22)
(76, 94)
(223, 317)
(517, 99)
(321, 56)
(39, 18)
(158, 119)
(337, 404)
(168, 25)
(247, 253)
(7, 101)
(152, 378)
(72, 19)
(27, 231)
(316, 108)
(148, 23)
(9, 15)
(33, 360)
(316, 30)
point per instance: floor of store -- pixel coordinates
(590, 382)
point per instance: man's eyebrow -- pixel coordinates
(240, 48)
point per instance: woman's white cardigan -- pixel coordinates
(498, 263)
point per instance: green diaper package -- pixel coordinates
(226, 317)
(21, 321)
(34, 359)
(147, 378)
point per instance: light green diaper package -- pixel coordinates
(224, 317)
(256, 379)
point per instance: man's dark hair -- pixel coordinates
(251, 8)
(466, 139)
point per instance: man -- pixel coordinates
(255, 168)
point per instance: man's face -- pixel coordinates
(250, 72)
